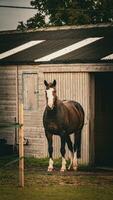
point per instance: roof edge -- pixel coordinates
(56, 28)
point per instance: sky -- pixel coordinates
(9, 17)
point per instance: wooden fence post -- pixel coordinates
(21, 147)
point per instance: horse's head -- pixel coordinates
(50, 94)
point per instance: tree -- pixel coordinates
(70, 12)
(36, 22)
(100, 11)
(21, 26)
(62, 12)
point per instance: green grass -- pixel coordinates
(39, 184)
(56, 192)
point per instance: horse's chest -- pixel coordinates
(52, 125)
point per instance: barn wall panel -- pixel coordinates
(33, 129)
(73, 86)
(7, 101)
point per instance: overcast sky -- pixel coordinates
(9, 17)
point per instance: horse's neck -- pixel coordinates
(54, 111)
(51, 113)
(58, 102)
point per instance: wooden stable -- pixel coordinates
(81, 61)
(89, 84)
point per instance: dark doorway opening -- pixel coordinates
(104, 119)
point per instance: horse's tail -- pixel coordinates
(80, 113)
(81, 116)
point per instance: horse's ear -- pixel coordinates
(54, 83)
(46, 83)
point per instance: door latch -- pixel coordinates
(36, 92)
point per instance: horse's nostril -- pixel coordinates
(50, 107)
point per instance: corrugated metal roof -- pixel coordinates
(94, 44)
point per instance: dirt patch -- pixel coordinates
(36, 174)
(42, 177)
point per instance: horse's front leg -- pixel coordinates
(62, 150)
(50, 150)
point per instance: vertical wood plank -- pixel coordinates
(17, 105)
(30, 91)
(21, 147)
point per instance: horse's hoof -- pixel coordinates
(50, 169)
(70, 167)
(75, 168)
(75, 165)
(62, 170)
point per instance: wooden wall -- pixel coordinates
(7, 101)
(29, 94)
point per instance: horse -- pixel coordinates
(62, 118)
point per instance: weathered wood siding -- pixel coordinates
(7, 101)
(29, 94)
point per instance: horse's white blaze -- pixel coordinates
(50, 97)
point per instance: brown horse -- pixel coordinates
(62, 118)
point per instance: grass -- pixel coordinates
(56, 193)
(39, 184)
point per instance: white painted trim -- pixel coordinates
(68, 49)
(20, 48)
(109, 57)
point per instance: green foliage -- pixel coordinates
(69, 12)
(36, 22)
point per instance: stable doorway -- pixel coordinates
(104, 119)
